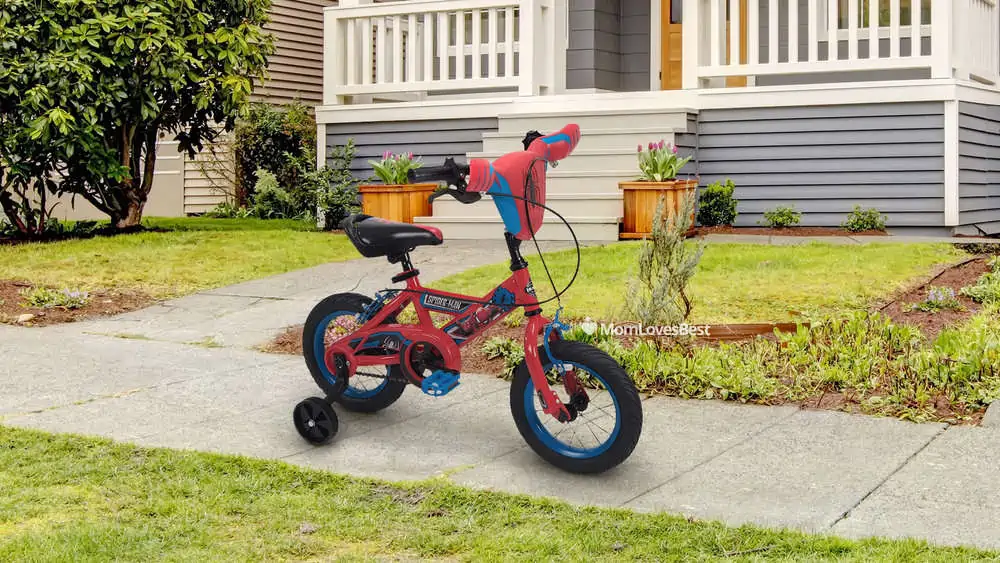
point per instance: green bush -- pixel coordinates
(43, 298)
(336, 187)
(782, 217)
(716, 205)
(271, 201)
(987, 288)
(657, 295)
(864, 220)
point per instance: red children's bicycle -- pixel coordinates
(572, 403)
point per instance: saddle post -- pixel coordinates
(408, 270)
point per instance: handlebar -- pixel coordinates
(452, 173)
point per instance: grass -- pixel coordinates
(81, 499)
(192, 254)
(735, 282)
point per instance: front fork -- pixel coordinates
(539, 326)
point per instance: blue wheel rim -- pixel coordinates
(319, 350)
(553, 443)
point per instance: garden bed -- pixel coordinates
(900, 308)
(786, 232)
(101, 303)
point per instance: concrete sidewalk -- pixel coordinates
(816, 471)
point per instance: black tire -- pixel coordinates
(622, 439)
(383, 396)
(315, 420)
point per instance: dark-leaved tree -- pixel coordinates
(88, 88)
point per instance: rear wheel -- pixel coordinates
(608, 411)
(371, 388)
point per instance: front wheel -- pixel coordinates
(609, 412)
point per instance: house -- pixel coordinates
(184, 186)
(820, 104)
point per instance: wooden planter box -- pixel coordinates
(397, 202)
(641, 198)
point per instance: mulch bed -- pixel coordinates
(785, 232)
(899, 308)
(101, 303)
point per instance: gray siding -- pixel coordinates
(979, 164)
(608, 45)
(635, 46)
(824, 160)
(593, 57)
(432, 140)
(687, 145)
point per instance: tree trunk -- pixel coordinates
(131, 216)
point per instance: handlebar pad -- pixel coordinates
(558, 145)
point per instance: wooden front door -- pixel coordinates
(671, 44)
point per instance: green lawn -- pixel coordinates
(735, 282)
(191, 255)
(81, 499)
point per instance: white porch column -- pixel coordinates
(531, 41)
(943, 52)
(952, 197)
(692, 42)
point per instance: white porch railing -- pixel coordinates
(946, 37)
(415, 47)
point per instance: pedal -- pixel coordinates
(439, 383)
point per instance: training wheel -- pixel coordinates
(315, 420)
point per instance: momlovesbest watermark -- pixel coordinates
(591, 328)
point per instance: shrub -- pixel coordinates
(864, 220)
(510, 350)
(336, 186)
(938, 299)
(716, 205)
(660, 162)
(987, 288)
(657, 295)
(44, 298)
(271, 201)
(394, 169)
(782, 217)
(228, 210)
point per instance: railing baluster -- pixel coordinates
(397, 51)
(508, 41)
(734, 32)
(894, 36)
(411, 42)
(491, 61)
(717, 19)
(427, 65)
(382, 57)
(367, 73)
(477, 43)
(460, 45)
(813, 30)
(916, 14)
(444, 44)
(753, 32)
(852, 30)
(793, 31)
(351, 60)
(833, 31)
(773, 46)
(874, 41)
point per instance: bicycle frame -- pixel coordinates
(471, 317)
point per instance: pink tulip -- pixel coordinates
(386, 155)
(673, 148)
(640, 148)
(651, 145)
(661, 144)
(409, 156)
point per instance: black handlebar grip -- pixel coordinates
(432, 174)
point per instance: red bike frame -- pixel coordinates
(472, 317)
